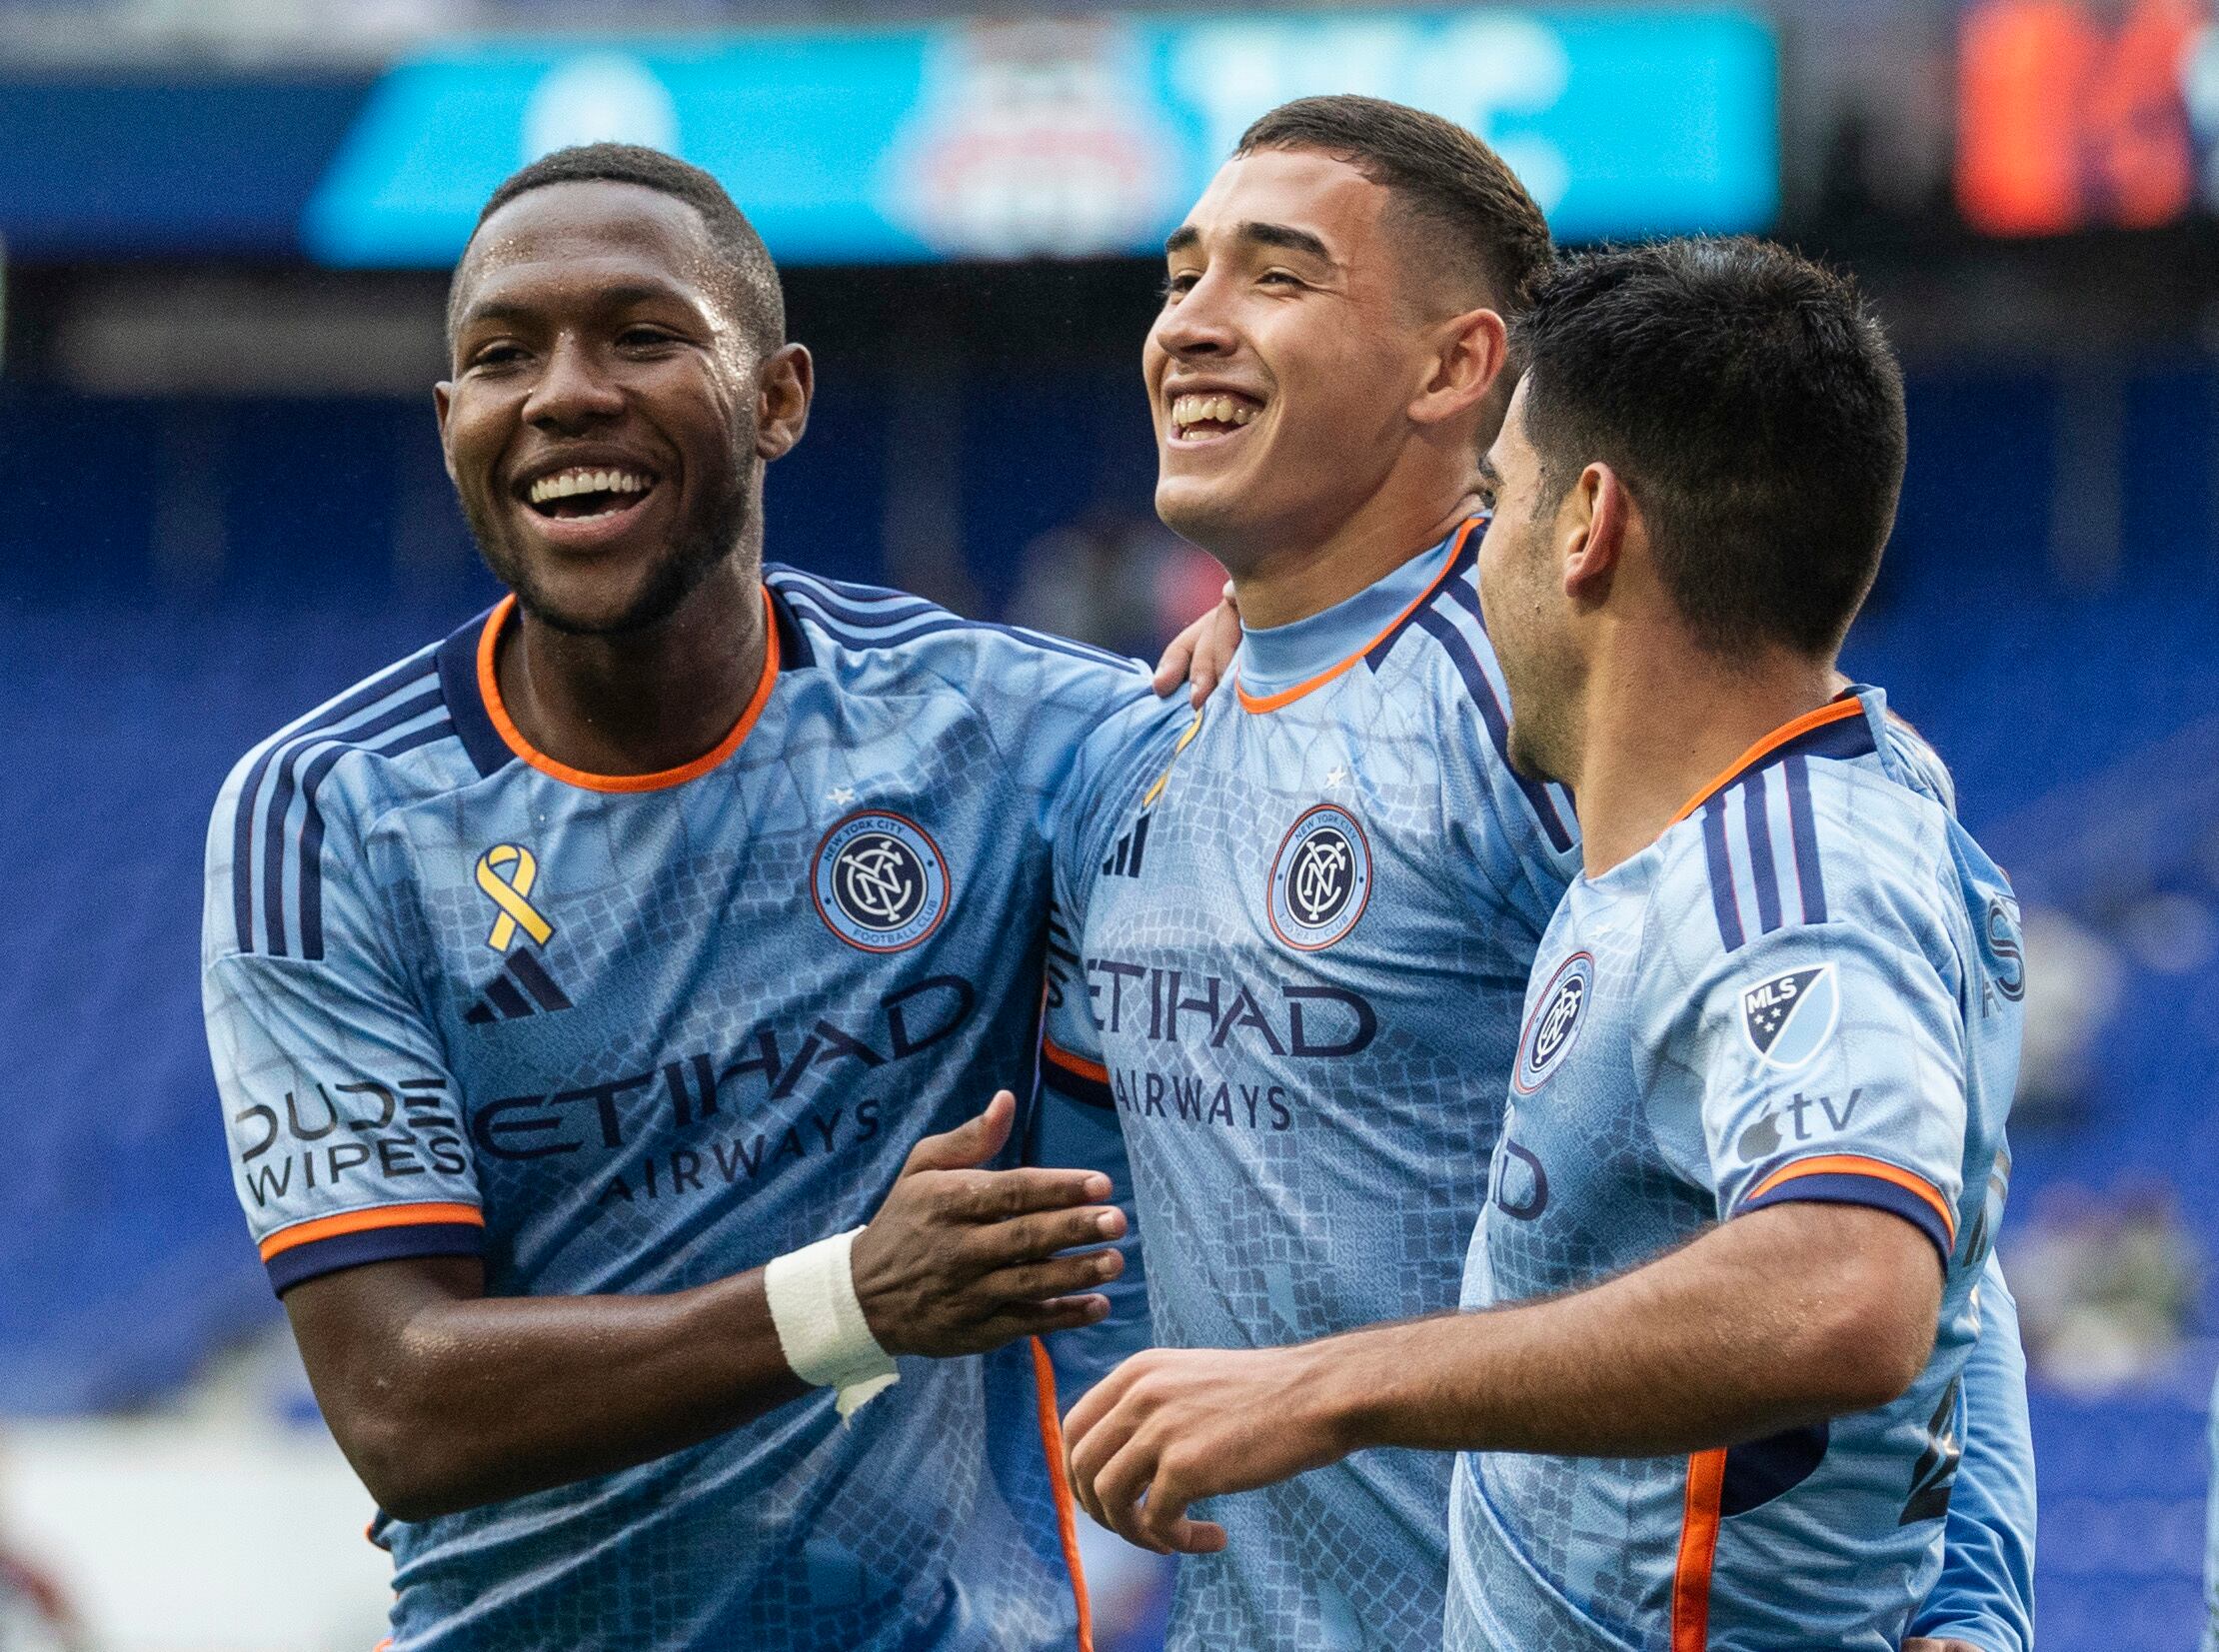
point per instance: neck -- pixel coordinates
(1659, 724)
(1307, 575)
(644, 700)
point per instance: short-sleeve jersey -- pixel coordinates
(1808, 988)
(1292, 956)
(636, 1034)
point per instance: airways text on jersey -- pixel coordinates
(1302, 1010)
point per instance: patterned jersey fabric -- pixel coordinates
(635, 1035)
(1291, 958)
(1808, 988)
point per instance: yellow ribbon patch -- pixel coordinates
(506, 891)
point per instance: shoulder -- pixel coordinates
(1440, 640)
(891, 641)
(1913, 760)
(401, 734)
(1807, 842)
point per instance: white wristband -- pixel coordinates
(820, 1325)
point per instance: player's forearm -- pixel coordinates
(481, 1399)
(1771, 1321)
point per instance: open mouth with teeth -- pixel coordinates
(582, 492)
(1197, 417)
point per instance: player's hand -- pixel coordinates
(961, 1259)
(1199, 654)
(1919, 1643)
(1177, 1424)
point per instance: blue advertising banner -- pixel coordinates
(1065, 138)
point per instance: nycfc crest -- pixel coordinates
(1554, 1028)
(880, 883)
(1320, 880)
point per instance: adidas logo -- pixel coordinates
(523, 988)
(1125, 862)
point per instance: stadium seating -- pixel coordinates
(186, 576)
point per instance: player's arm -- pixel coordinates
(356, 1166)
(1984, 1597)
(444, 1399)
(1781, 1318)
(1816, 1295)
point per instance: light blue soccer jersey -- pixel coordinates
(1294, 965)
(1807, 989)
(631, 1035)
(2211, 1537)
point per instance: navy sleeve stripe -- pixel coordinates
(795, 652)
(1850, 1188)
(378, 1244)
(384, 684)
(1765, 874)
(1739, 842)
(312, 818)
(1467, 595)
(1443, 630)
(1449, 584)
(1803, 824)
(834, 599)
(862, 620)
(854, 591)
(1724, 902)
(933, 622)
(283, 753)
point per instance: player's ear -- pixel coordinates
(784, 385)
(1591, 527)
(1469, 354)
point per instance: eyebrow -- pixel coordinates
(617, 297)
(1287, 236)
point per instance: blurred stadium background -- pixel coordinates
(225, 228)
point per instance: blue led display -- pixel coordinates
(1065, 137)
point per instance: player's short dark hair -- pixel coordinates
(1458, 191)
(752, 287)
(1752, 406)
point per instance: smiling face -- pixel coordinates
(1282, 365)
(606, 418)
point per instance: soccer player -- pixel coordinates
(580, 985)
(1294, 961)
(1726, 1282)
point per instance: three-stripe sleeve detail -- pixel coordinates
(1760, 848)
(277, 822)
(864, 616)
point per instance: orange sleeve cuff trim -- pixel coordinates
(1854, 1164)
(1075, 1064)
(363, 1221)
